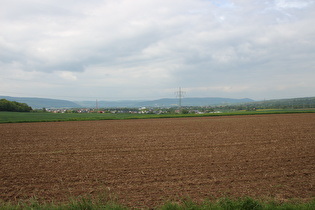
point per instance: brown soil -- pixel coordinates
(146, 162)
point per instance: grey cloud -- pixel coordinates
(195, 43)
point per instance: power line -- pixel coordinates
(180, 95)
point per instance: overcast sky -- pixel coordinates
(147, 49)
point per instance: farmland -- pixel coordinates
(21, 117)
(148, 161)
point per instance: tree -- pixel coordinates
(13, 106)
(185, 111)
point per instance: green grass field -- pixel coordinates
(15, 117)
(19, 117)
(220, 204)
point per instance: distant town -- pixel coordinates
(141, 110)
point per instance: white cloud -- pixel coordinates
(66, 75)
(284, 4)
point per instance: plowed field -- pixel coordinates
(146, 162)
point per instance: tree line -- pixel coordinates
(13, 106)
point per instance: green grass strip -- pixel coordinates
(239, 204)
(221, 204)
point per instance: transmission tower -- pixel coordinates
(96, 105)
(180, 95)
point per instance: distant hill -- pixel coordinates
(108, 104)
(210, 101)
(294, 103)
(38, 103)
(165, 102)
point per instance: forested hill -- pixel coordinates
(38, 103)
(291, 103)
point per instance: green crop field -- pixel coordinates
(19, 117)
(15, 117)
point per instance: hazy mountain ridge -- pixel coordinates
(165, 102)
(209, 101)
(38, 103)
(108, 104)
